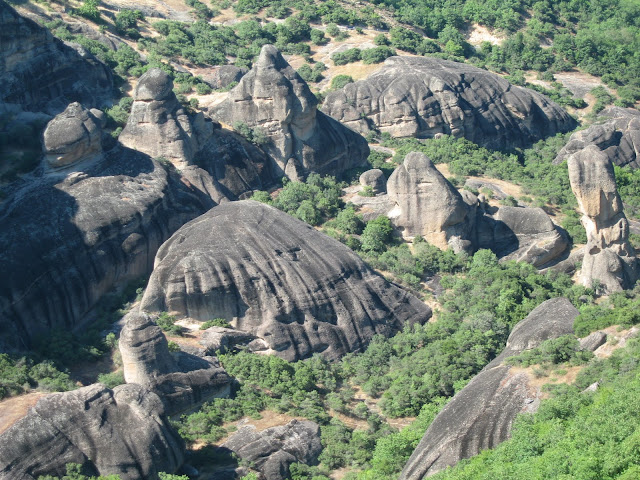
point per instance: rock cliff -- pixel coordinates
(122, 431)
(480, 416)
(276, 277)
(300, 139)
(41, 73)
(423, 97)
(609, 257)
(617, 136)
(181, 380)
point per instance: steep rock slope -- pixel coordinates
(39, 72)
(68, 238)
(423, 97)
(618, 136)
(273, 97)
(121, 431)
(480, 416)
(272, 275)
(609, 256)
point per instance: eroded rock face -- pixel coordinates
(609, 257)
(481, 415)
(39, 72)
(122, 431)
(274, 98)
(158, 124)
(273, 450)
(521, 234)
(427, 204)
(423, 97)
(617, 136)
(73, 135)
(66, 240)
(375, 179)
(276, 277)
(181, 380)
(223, 76)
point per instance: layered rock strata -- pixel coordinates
(424, 97)
(181, 380)
(617, 136)
(300, 139)
(609, 257)
(481, 415)
(271, 275)
(122, 431)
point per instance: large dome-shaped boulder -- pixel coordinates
(481, 415)
(276, 277)
(300, 139)
(424, 97)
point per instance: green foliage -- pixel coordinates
(347, 56)
(20, 374)
(111, 380)
(621, 308)
(367, 191)
(75, 472)
(126, 22)
(339, 81)
(255, 135)
(553, 351)
(312, 201)
(376, 235)
(628, 184)
(89, 9)
(314, 74)
(216, 322)
(168, 324)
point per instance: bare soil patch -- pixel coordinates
(13, 409)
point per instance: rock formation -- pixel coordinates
(276, 277)
(617, 136)
(274, 98)
(73, 135)
(609, 257)
(39, 72)
(182, 381)
(122, 431)
(522, 234)
(223, 76)
(220, 339)
(158, 124)
(273, 450)
(423, 97)
(481, 415)
(67, 239)
(375, 179)
(426, 204)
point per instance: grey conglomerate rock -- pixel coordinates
(73, 135)
(481, 415)
(39, 72)
(617, 135)
(221, 339)
(273, 450)
(424, 97)
(158, 124)
(301, 139)
(223, 76)
(181, 380)
(278, 278)
(593, 341)
(67, 239)
(375, 179)
(609, 257)
(426, 204)
(122, 431)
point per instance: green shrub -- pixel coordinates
(168, 324)
(339, 81)
(111, 380)
(216, 322)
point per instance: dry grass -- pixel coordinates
(13, 409)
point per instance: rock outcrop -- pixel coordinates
(276, 277)
(426, 204)
(73, 135)
(158, 124)
(223, 76)
(521, 234)
(181, 380)
(617, 136)
(122, 431)
(375, 179)
(273, 450)
(67, 239)
(481, 415)
(39, 72)
(300, 139)
(423, 97)
(220, 339)
(609, 257)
